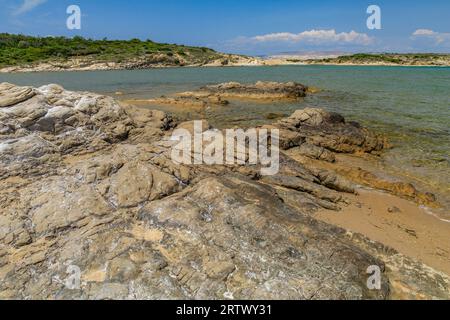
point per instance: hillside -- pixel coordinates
(20, 53)
(413, 59)
(26, 53)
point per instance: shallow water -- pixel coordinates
(409, 104)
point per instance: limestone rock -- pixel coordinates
(88, 184)
(332, 132)
(259, 90)
(11, 94)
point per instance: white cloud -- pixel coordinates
(28, 5)
(317, 37)
(423, 32)
(437, 37)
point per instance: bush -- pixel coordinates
(21, 49)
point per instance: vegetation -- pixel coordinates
(17, 50)
(390, 58)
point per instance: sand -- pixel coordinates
(398, 223)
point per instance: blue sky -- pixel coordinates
(245, 26)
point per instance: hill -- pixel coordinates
(413, 59)
(26, 53)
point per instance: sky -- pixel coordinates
(256, 27)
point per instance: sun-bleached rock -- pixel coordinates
(11, 94)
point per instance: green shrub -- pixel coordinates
(21, 49)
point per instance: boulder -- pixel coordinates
(11, 94)
(331, 131)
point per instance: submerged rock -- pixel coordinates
(88, 184)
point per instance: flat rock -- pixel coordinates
(259, 91)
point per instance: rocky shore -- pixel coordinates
(220, 94)
(222, 60)
(87, 182)
(154, 61)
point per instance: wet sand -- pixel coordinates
(397, 223)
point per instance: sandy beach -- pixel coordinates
(397, 220)
(397, 223)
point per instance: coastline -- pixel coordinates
(412, 228)
(396, 217)
(254, 63)
(397, 223)
(162, 216)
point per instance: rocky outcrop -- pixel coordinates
(260, 91)
(403, 189)
(220, 94)
(331, 132)
(185, 102)
(53, 122)
(88, 186)
(10, 94)
(320, 135)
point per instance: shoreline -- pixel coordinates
(413, 229)
(369, 212)
(397, 223)
(230, 221)
(385, 175)
(267, 64)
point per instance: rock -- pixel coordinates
(186, 101)
(288, 139)
(314, 152)
(11, 94)
(402, 189)
(136, 183)
(330, 131)
(259, 90)
(39, 126)
(308, 116)
(63, 205)
(217, 95)
(335, 182)
(394, 210)
(88, 184)
(190, 126)
(181, 102)
(303, 186)
(218, 100)
(304, 202)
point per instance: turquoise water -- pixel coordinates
(409, 104)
